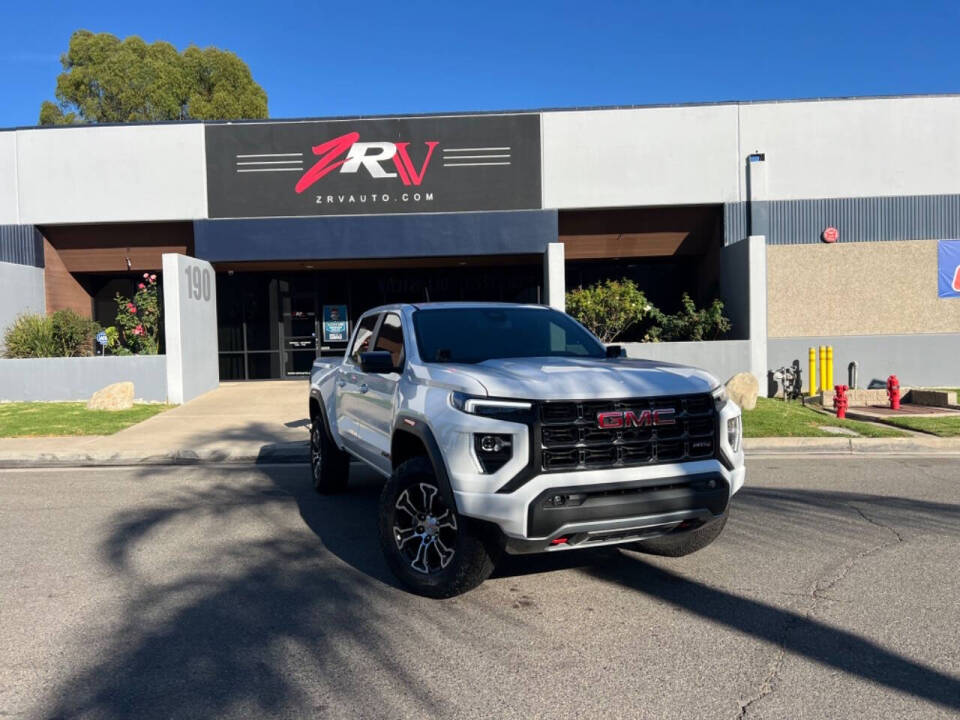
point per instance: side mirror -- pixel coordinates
(616, 351)
(377, 361)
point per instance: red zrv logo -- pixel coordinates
(368, 154)
(628, 418)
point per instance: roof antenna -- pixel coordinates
(426, 291)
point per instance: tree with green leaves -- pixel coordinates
(609, 308)
(108, 80)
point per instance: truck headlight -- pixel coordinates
(514, 410)
(734, 433)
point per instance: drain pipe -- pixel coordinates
(852, 375)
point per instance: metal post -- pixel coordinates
(812, 358)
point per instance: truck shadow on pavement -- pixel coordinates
(282, 622)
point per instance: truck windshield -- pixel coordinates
(472, 335)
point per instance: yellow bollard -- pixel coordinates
(823, 368)
(812, 358)
(830, 367)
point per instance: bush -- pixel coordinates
(30, 336)
(609, 308)
(689, 324)
(63, 334)
(73, 333)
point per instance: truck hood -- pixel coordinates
(562, 378)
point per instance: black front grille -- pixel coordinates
(571, 439)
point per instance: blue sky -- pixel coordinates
(373, 57)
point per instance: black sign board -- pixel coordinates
(376, 166)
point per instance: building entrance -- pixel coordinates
(271, 323)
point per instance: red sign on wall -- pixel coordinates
(830, 235)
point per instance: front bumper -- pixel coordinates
(619, 505)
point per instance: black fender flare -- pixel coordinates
(419, 429)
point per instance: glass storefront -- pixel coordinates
(270, 324)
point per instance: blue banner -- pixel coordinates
(948, 269)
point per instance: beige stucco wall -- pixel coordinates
(870, 288)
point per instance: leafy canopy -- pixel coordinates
(609, 308)
(108, 80)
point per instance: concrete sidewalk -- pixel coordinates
(266, 422)
(238, 422)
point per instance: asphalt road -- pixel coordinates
(236, 592)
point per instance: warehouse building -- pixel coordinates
(815, 222)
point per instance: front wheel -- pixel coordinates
(428, 546)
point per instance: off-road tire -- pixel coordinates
(683, 543)
(329, 465)
(472, 560)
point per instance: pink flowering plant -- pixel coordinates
(138, 319)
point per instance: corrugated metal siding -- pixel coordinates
(734, 222)
(871, 219)
(21, 245)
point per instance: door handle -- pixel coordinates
(364, 388)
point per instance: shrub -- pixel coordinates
(73, 333)
(689, 324)
(30, 336)
(63, 334)
(609, 308)
(138, 320)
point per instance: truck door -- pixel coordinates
(350, 391)
(380, 400)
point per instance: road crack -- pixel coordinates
(815, 595)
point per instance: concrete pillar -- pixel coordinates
(554, 277)
(757, 290)
(190, 327)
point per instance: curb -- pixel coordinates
(245, 456)
(297, 453)
(915, 445)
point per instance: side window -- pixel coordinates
(361, 343)
(390, 338)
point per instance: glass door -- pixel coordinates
(299, 325)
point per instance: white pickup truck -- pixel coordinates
(511, 428)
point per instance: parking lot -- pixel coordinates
(223, 591)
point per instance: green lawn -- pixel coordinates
(45, 419)
(776, 418)
(942, 426)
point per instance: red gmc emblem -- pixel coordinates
(616, 419)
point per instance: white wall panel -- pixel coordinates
(8, 178)
(647, 156)
(111, 174)
(856, 148)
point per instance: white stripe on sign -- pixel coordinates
(474, 149)
(476, 157)
(296, 169)
(272, 155)
(271, 162)
(446, 164)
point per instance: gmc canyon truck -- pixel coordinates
(511, 428)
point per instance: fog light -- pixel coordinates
(492, 443)
(734, 433)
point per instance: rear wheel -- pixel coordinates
(429, 547)
(329, 465)
(682, 543)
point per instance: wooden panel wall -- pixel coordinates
(62, 289)
(107, 248)
(639, 232)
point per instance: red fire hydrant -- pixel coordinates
(840, 400)
(893, 390)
